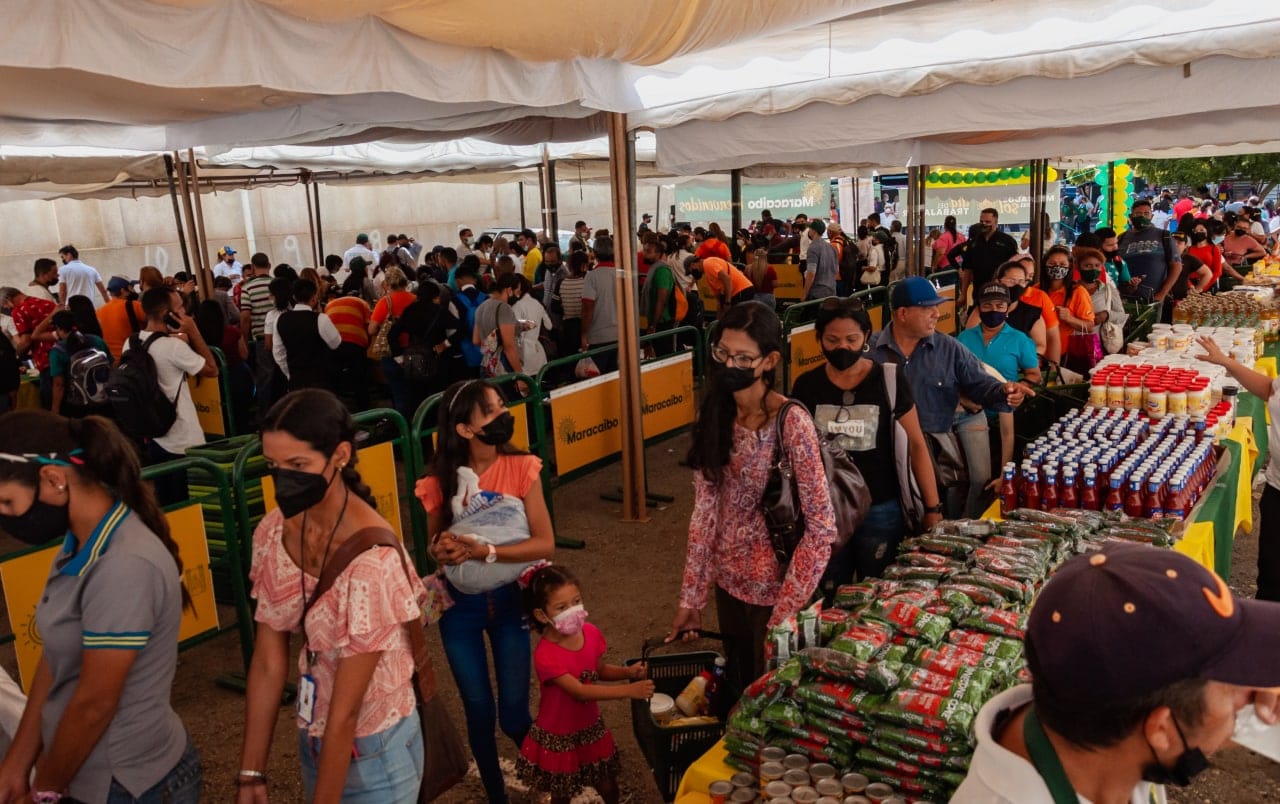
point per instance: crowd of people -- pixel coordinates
(925, 418)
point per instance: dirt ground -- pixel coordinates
(631, 575)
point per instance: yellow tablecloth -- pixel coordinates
(710, 767)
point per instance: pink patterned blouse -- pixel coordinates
(728, 543)
(364, 612)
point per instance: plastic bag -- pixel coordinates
(490, 518)
(585, 369)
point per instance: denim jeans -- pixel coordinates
(386, 768)
(971, 429)
(873, 547)
(179, 786)
(500, 614)
(399, 387)
(605, 361)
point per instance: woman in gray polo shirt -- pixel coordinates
(98, 725)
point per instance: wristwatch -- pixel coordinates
(492, 558)
(933, 509)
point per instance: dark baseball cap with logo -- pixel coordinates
(994, 292)
(1130, 619)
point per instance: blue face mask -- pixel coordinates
(993, 318)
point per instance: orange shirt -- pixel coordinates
(400, 299)
(350, 314)
(114, 320)
(509, 474)
(1080, 305)
(1035, 297)
(716, 272)
(713, 247)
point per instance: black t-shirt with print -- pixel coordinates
(859, 420)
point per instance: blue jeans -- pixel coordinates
(500, 614)
(873, 547)
(179, 786)
(399, 387)
(386, 768)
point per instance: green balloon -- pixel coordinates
(1004, 174)
(1017, 173)
(933, 177)
(992, 175)
(944, 178)
(968, 178)
(979, 177)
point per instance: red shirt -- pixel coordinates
(26, 317)
(1183, 206)
(1210, 255)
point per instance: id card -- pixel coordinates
(306, 698)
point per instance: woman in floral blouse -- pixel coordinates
(734, 441)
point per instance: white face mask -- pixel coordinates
(571, 620)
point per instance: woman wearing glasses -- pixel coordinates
(729, 554)
(849, 400)
(1070, 300)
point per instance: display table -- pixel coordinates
(709, 768)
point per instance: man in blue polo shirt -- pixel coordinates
(1008, 351)
(939, 370)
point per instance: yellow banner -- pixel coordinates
(585, 419)
(206, 393)
(790, 282)
(377, 465)
(666, 394)
(24, 578)
(805, 351)
(586, 416)
(947, 311)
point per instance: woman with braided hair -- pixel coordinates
(359, 735)
(98, 724)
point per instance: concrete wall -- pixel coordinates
(118, 236)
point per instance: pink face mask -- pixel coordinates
(571, 620)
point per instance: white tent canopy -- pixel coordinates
(975, 82)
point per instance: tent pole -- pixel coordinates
(201, 242)
(177, 213)
(922, 264)
(913, 187)
(522, 221)
(311, 218)
(553, 214)
(735, 201)
(1038, 175)
(622, 187)
(315, 190)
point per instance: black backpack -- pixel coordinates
(138, 404)
(890, 250)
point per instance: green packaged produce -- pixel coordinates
(986, 643)
(952, 660)
(807, 626)
(830, 719)
(781, 642)
(927, 711)
(893, 757)
(971, 685)
(838, 695)
(1001, 622)
(742, 746)
(741, 764)
(833, 623)
(1008, 588)
(784, 711)
(977, 595)
(922, 741)
(910, 619)
(862, 640)
(854, 595)
(843, 667)
(915, 558)
(900, 572)
(953, 546)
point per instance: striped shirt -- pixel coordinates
(350, 315)
(256, 296)
(571, 295)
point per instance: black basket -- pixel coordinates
(671, 751)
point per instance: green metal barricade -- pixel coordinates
(800, 342)
(553, 469)
(211, 566)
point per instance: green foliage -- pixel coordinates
(1262, 170)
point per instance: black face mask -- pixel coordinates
(499, 431)
(299, 491)
(1111, 255)
(1199, 237)
(1189, 764)
(841, 359)
(1016, 292)
(41, 524)
(735, 379)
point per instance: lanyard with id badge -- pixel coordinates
(307, 681)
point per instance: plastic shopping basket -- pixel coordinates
(670, 751)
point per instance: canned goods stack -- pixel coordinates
(1120, 461)
(788, 777)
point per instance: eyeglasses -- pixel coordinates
(1010, 282)
(721, 355)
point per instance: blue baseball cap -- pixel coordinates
(915, 291)
(119, 283)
